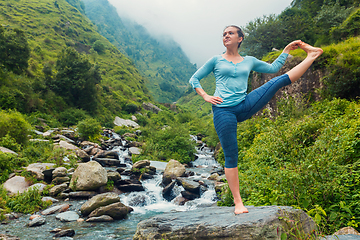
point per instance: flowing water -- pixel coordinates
(146, 204)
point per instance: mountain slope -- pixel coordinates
(163, 62)
(53, 26)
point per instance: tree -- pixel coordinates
(75, 80)
(14, 50)
(99, 46)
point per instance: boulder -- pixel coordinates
(115, 210)
(66, 145)
(69, 216)
(129, 185)
(83, 155)
(167, 190)
(108, 162)
(135, 151)
(45, 199)
(141, 164)
(151, 107)
(114, 176)
(174, 169)
(214, 177)
(341, 237)
(6, 150)
(125, 122)
(59, 172)
(221, 223)
(189, 195)
(54, 191)
(16, 185)
(38, 169)
(55, 209)
(103, 218)
(88, 176)
(82, 194)
(97, 201)
(39, 186)
(60, 180)
(64, 233)
(190, 185)
(37, 222)
(346, 231)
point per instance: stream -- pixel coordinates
(146, 204)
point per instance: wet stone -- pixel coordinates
(82, 194)
(69, 216)
(65, 233)
(37, 222)
(103, 218)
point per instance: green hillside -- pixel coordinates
(51, 28)
(163, 63)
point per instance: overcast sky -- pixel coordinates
(196, 25)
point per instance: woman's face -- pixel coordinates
(231, 37)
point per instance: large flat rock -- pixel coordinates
(222, 223)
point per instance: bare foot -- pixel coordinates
(312, 52)
(240, 209)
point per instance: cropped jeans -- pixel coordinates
(226, 118)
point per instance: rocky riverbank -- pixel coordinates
(105, 196)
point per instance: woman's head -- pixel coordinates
(240, 33)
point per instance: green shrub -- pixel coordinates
(169, 143)
(131, 108)
(310, 162)
(8, 163)
(349, 28)
(12, 123)
(89, 129)
(27, 202)
(72, 116)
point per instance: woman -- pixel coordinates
(230, 102)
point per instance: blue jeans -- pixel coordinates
(226, 118)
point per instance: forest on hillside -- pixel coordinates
(162, 62)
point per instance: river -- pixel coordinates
(151, 203)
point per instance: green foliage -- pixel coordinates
(341, 61)
(75, 80)
(169, 143)
(14, 50)
(72, 116)
(8, 142)
(309, 161)
(349, 28)
(89, 129)
(27, 202)
(8, 163)
(109, 185)
(99, 46)
(131, 108)
(58, 79)
(162, 63)
(330, 16)
(14, 125)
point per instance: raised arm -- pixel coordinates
(264, 67)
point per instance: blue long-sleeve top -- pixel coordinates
(232, 79)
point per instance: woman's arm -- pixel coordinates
(211, 99)
(201, 73)
(264, 67)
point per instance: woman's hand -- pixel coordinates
(212, 99)
(208, 98)
(292, 46)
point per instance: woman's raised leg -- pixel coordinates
(312, 53)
